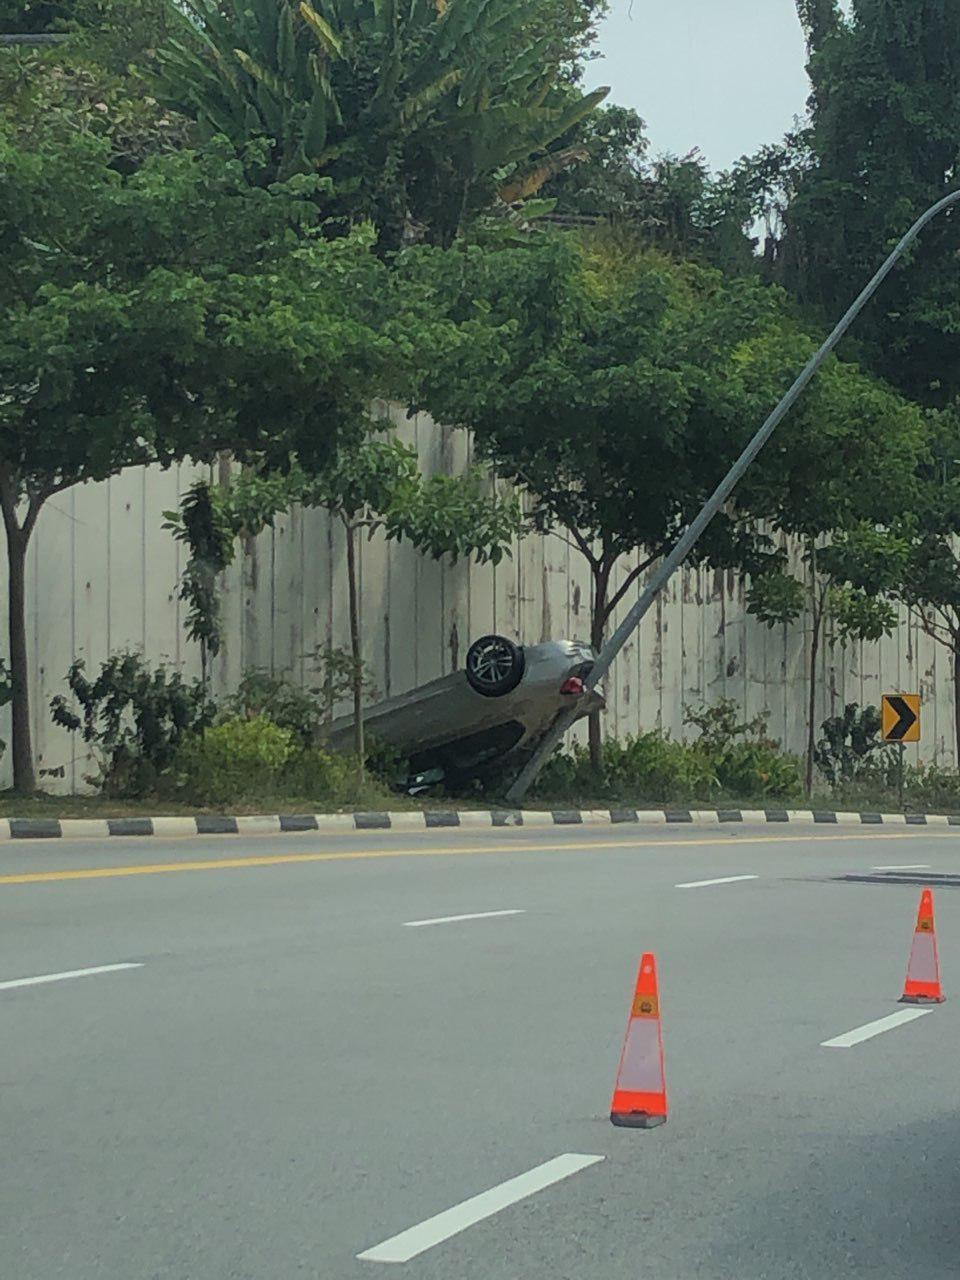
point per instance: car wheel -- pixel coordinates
(494, 666)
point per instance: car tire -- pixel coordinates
(494, 666)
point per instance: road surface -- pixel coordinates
(311, 1057)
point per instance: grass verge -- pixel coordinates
(371, 796)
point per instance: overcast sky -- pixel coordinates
(722, 75)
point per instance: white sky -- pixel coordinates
(722, 75)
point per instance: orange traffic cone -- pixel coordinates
(640, 1094)
(923, 971)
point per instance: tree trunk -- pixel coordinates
(598, 628)
(24, 774)
(355, 646)
(818, 612)
(956, 693)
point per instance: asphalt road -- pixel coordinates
(295, 1074)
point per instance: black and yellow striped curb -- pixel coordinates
(333, 823)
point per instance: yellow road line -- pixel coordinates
(350, 855)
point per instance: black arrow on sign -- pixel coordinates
(908, 718)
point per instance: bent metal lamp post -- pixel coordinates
(691, 535)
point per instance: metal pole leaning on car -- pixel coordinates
(724, 489)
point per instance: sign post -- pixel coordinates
(901, 724)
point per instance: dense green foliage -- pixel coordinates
(133, 718)
(187, 305)
(416, 112)
(669, 202)
(618, 385)
(253, 758)
(167, 309)
(730, 758)
(99, 19)
(240, 756)
(880, 148)
(850, 744)
(594, 379)
(153, 733)
(911, 558)
(305, 712)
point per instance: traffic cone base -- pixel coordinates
(636, 1120)
(640, 1095)
(923, 971)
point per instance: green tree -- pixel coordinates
(832, 468)
(819, 19)
(674, 203)
(617, 386)
(911, 558)
(570, 26)
(612, 176)
(880, 148)
(417, 112)
(778, 597)
(120, 38)
(59, 93)
(168, 313)
(373, 485)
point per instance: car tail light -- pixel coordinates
(572, 685)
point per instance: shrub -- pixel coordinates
(930, 787)
(318, 774)
(649, 766)
(730, 756)
(336, 671)
(384, 762)
(566, 773)
(720, 726)
(250, 758)
(134, 718)
(656, 766)
(305, 711)
(746, 761)
(850, 748)
(238, 759)
(302, 711)
(757, 769)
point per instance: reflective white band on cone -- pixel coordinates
(640, 1065)
(923, 959)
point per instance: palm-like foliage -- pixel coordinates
(418, 110)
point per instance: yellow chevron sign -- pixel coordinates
(901, 717)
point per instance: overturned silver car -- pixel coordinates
(491, 713)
